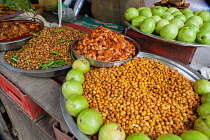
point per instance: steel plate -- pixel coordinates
(166, 40)
(36, 73)
(16, 44)
(183, 69)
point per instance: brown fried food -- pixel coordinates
(50, 45)
(105, 45)
(143, 95)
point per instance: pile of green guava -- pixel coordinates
(171, 23)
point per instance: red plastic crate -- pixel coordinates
(60, 135)
(28, 105)
(177, 52)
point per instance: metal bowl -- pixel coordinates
(36, 73)
(16, 44)
(105, 64)
(166, 40)
(183, 69)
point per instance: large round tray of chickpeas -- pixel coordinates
(149, 94)
(47, 54)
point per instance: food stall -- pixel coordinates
(33, 101)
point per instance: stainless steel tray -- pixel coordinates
(16, 44)
(36, 73)
(166, 40)
(183, 69)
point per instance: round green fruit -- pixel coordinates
(204, 109)
(172, 9)
(188, 14)
(130, 13)
(157, 10)
(193, 135)
(160, 24)
(178, 22)
(190, 21)
(181, 17)
(202, 124)
(146, 13)
(167, 17)
(140, 8)
(156, 18)
(147, 25)
(111, 131)
(138, 136)
(196, 12)
(197, 18)
(205, 98)
(89, 121)
(137, 20)
(205, 26)
(176, 13)
(75, 74)
(186, 10)
(169, 137)
(169, 31)
(203, 37)
(205, 15)
(76, 104)
(81, 64)
(186, 34)
(71, 87)
(194, 27)
(201, 86)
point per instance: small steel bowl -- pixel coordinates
(17, 44)
(105, 64)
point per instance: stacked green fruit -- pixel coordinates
(193, 27)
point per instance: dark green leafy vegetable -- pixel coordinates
(54, 64)
(27, 62)
(15, 57)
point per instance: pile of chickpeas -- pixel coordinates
(143, 95)
(48, 45)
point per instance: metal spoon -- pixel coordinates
(35, 14)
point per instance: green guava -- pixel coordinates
(82, 64)
(186, 34)
(167, 17)
(145, 12)
(147, 25)
(140, 8)
(205, 15)
(205, 98)
(172, 9)
(169, 31)
(188, 14)
(111, 131)
(202, 124)
(203, 37)
(176, 13)
(160, 24)
(177, 22)
(76, 104)
(193, 135)
(204, 109)
(201, 86)
(130, 13)
(71, 87)
(182, 17)
(137, 20)
(194, 27)
(197, 18)
(138, 136)
(205, 26)
(186, 10)
(190, 21)
(75, 74)
(89, 121)
(196, 12)
(156, 18)
(169, 137)
(157, 10)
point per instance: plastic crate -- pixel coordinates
(61, 135)
(177, 52)
(25, 103)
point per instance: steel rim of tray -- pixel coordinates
(188, 72)
(166, 40)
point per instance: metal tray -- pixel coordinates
(16, 44)
(166, 40)
(188, 72)
(36, 73)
